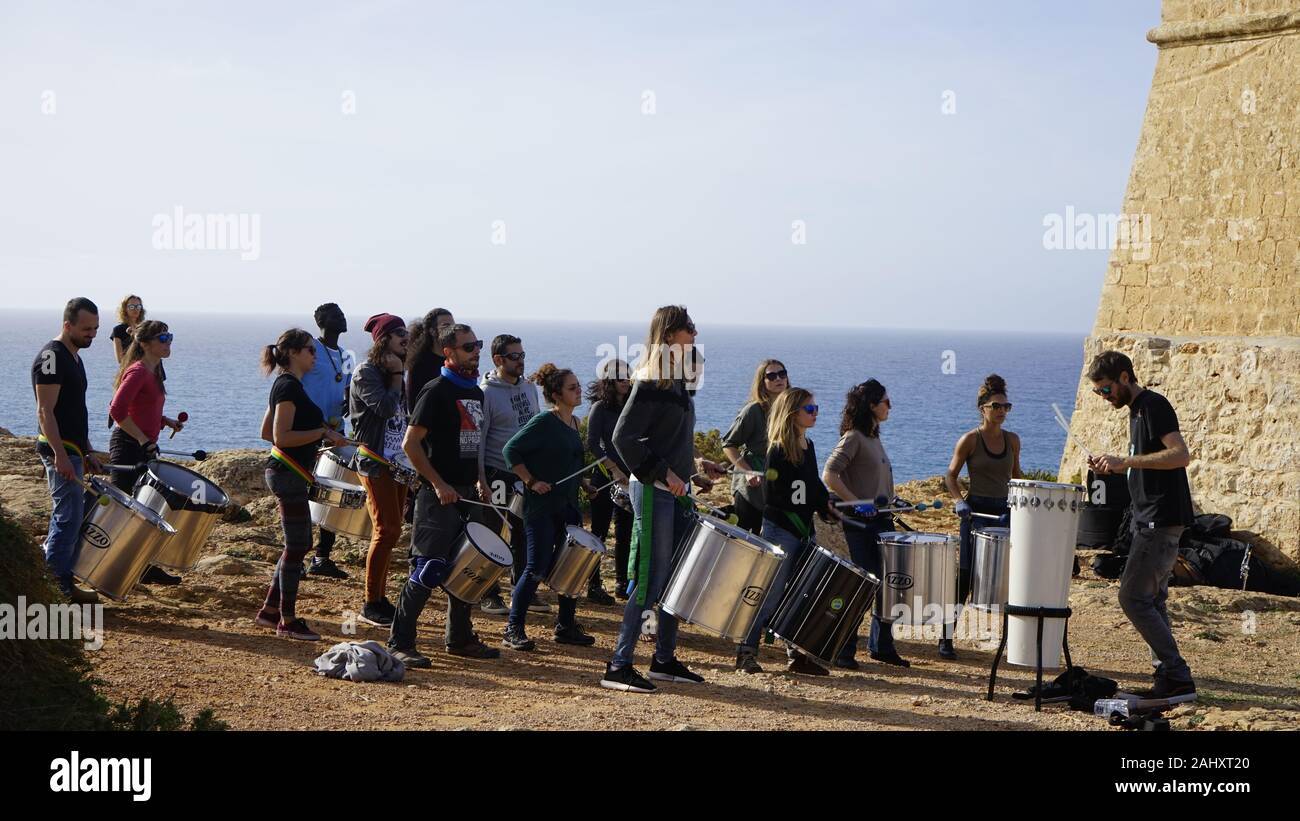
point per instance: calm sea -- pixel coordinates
(213, 376)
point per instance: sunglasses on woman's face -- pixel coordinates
(471, 347)
(997, 406)
(775, 375)
(165, 337)
(812, 409)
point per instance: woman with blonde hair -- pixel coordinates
(130, 313)
(793, 497)
(991, 457)
(745, 444)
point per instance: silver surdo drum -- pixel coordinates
(339, 507)
(336, 463)
(920, 584)
(478, 559)
(722, 577)
(189, 502)
(991, 571)
(119, 539)
(575, 562)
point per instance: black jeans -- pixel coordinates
(436, 528)
(123, 449)
(748, 517)
(603, 511)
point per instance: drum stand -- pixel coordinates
(1040, 613)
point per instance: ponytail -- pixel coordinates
(277, 355)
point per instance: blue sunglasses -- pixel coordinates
(811, 408)
(165, 337)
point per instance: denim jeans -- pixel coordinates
(546, 535)
(969, 524)
(864, 550)
(794, 548)
(1143, 589)
(670, 524)
(69, 503)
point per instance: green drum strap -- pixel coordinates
(800, 528)
(638, 559)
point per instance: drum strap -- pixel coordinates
(362, 450)
(287, 460)
(799, 527)
(68, 446)
(638, 560)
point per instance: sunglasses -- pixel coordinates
(997, 406)
(400, 333)
(1105, 391)
(471, 347)
(134, 306)
(515, 357)
(886, 402)
(812, 409)
(775, 375)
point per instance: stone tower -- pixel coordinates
(1208, 306)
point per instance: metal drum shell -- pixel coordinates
(574, 562)
(920, 576)
(346, 521)
(473, 569)
(1044, 527)
(193, 521)
(721, 579)
(991, 571)
(823, 605)
(118, 541)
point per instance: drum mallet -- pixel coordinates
(102, 498)
(198, 455)
(1060, 420)
(181, 417)
(599, 461)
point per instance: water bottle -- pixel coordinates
(1106, 706)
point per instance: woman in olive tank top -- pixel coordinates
(991, 456)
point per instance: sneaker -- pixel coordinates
(597, 595)
(892, 658)
(747, 662)
(626, 679)
(379, 613)
(805, 666)
(297, 629)
(474, 649)
(156, 575)
(847, 664)
(673, 670)
(538, 606)
(620, 591)
(1165, 688)
(492, 603)
(573, 634)
(412, 658)
(324, 568)
(76, 595)
(946, 650)
(516, 639)
(267, 618)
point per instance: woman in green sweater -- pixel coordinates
(544, 450)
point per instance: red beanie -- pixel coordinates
(381, 324)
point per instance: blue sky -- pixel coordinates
(526, 122)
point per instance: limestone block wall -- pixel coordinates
(1205, 295)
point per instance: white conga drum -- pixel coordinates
(1044, 521)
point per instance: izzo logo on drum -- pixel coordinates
(752, 595)
(97, 536)
(898, 581)
(473, 575)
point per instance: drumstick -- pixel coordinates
(198, 455)
(181, 417)
(580, 472)
(103, 499)
(986, 515)
(483, 504)
(879, 501)
(1060, 420)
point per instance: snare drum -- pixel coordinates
(989, 573)
(574, 563)
(823, 605)
(118, 541)
(189, 502)
(722, 578)
(620, 497)
(920, 583)
(1044, 525)
(478, 559)
(339, 507)
(404, 473)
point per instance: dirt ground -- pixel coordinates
(197, 643)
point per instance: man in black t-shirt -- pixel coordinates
(1162, 507)
(442, 442)
(59, 383)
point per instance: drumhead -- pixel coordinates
(344, 455)
(1034, 483)
(488, 543)
(841, 561)
(738, 533)
(336, 484)
(993, 532)
(919, 539)
(585, 538)
(179, 486)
